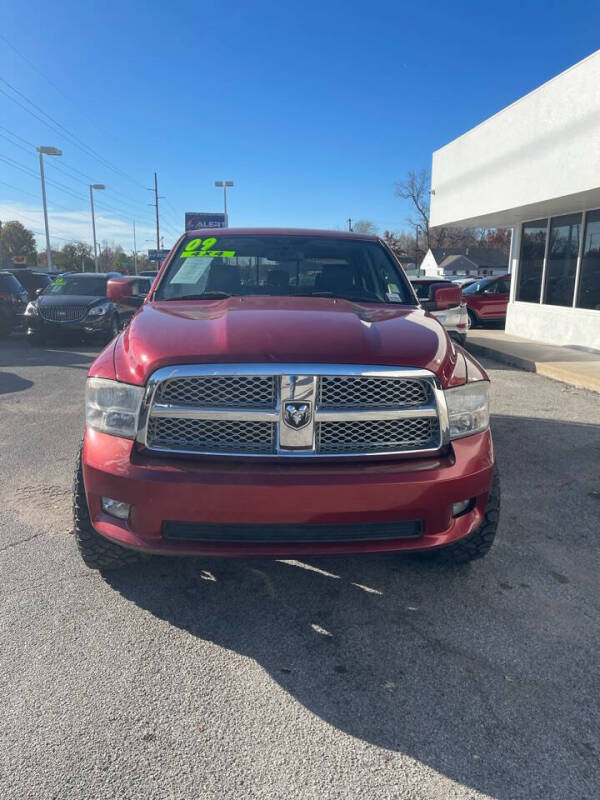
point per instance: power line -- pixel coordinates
(63, 130)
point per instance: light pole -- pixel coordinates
(97, 186)
(47, 151)
(224, 184)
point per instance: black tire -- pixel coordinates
(114, 328)
(96, 551)
(473, 319)
(480, 541)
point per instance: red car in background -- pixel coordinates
(487, 299)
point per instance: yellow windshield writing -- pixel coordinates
(197, 248)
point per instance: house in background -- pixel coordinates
(451, 262)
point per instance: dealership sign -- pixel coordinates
(157, 255)
(195, 220)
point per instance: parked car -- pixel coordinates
(283, 393)
(453, 317)
(463, 282)
(32, 281)
(13, 300)
(77, 303)
(487, 299)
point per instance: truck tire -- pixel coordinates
(480, 541)
(96, 551)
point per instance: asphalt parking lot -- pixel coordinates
(355, 677)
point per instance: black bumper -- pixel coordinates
(35, 325)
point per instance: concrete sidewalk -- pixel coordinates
(579, 368)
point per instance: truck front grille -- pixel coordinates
(377, 436)
(295, 410)
(62, 313)
(349, 391)
(239, 391)
(219, 436)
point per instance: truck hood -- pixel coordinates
(281, 330)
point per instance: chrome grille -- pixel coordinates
(380, 436)
(341, 391)
(238, 391)
(204, 435)
(293, 410)
(62, 313)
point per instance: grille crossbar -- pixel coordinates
(293, 411)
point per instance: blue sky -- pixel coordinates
(313, 109)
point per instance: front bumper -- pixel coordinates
(35, 324)
(237, 493)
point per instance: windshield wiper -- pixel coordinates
(354, 298)
(201, 296)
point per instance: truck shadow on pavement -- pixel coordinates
(484, 672)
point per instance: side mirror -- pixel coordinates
(445, 297)
(120, 291)
(39, 291)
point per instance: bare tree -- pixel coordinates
(365, 226)
(415, 188)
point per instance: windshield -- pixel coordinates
(478, 286)
(284, 266)
(88, 285)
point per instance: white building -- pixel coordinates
(535, 167)
(449, 262)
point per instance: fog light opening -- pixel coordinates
(460, 508)
(116, 508)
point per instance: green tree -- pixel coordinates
(17, 240)
(76, 256)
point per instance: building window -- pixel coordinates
(531, 262)
(589, 278)
(562, 260)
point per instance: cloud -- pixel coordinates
(68, 226)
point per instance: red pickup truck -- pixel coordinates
(282, 392)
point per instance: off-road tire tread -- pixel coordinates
(480, 541)
(96, 551)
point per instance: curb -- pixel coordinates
(564, 372)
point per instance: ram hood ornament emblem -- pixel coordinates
(296, 415)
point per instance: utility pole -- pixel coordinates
(349, 221)
(134, 251)
(155, 204)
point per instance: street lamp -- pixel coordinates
(47, 151)
(224, 184)
(97, 186)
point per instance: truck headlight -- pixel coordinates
(97, 311)
(31, 310)
(113, 407)
(468, 409)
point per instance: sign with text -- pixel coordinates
(196, 220)
(157, 255)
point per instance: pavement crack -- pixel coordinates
(21, 541)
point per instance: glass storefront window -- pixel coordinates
(562, 260)
(531, 263)
(589, 278)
